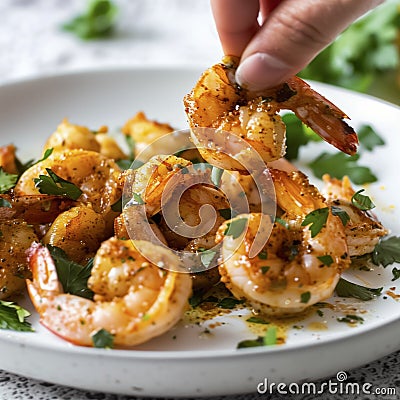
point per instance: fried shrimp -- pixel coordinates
(363, 230)
(134, 300)
(15, 239)
(96, 176)
(217, 102)
(294, 269)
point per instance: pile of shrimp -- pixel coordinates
(135, 298)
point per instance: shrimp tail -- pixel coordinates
(318, 113)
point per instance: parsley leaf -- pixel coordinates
(339, 212)
(7, 181)
(297, 135)
(5, 203)
(216, 175)
(316, 219)
(227, 213)
(13, 317)
(326, 259)
(103, 339)
(347, 289)
(53, 184)
(97, 22)
(235, 227)
(361, 53)
(368, 138)
(387, 251)
(362, 202)
(229, 302)
(72, 275)
(257, 320)
(339, 164)
(305, 297)
(396, 273)
(269, 339)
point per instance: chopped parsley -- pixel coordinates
(96, 22)
(73, 276)
(137, 199)
(339, 212)
(263, 255)
(229, 303)
(351, 319)
(316, 219)
(387, 251)
(13, 317)
(235, 228)
(227, 213)
(216, 175)
(7, 181)
(339, 164)
(305, 297)
(264, 269)
(396, 273)
(345, 288)
(103, 339)
(362, 202)
(269, 339)
(257, 320)
(53, 184)
(5, 203)
(326, 259)
(369, 138)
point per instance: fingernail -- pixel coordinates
(261, 71)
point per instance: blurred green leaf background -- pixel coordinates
(365, 57)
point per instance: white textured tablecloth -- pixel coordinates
(149, 32)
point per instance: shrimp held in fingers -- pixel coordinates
(217, 104)
(295, 269)
(134, 300)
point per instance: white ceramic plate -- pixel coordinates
(188, 361)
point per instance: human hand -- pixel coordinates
(277, 38)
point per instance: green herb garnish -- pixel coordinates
(387, 251)
(229, 303)
(5, 203)
(347, 289)
(7, 181)
(103, 339)
(316, 219)
(338, 212)
(369, 138)
(305, 297)
(73, 276)
(13, 317)
(53, 184)
(96, 22)
(236, 227)
(326, 259)
(351, 319)
(362, 202)
(269, 339)
(257, 320)
(339, 164)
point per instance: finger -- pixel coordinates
(292, 36)
(236, 22)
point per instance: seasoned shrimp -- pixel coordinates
(15, 239)
(34, 209)
(134, 300)
(8, 159)
(217, 102)
(294, 270)
(144, 132)
(79, 232)
(363, 230)
(71, 137)
(96, 176)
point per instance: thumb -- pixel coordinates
(292, 35)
